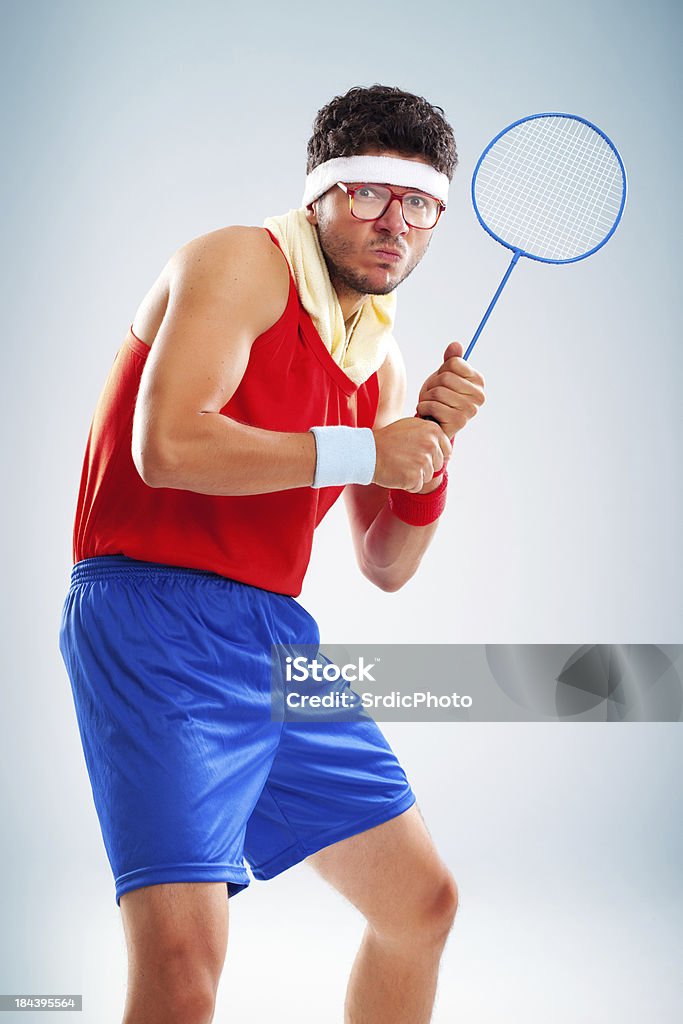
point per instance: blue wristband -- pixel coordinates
(345, 455)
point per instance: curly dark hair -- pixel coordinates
(382, 116)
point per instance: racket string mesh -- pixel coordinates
(551, 187)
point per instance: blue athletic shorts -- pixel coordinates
(170, 672)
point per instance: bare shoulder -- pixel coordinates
(238, 266)
(241, 259)
(392, 386)
(229, 244)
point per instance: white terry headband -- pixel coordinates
(380, 170)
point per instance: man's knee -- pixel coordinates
(173, 982)
(445, 904)
(425, 913)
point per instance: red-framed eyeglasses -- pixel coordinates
(370, 202)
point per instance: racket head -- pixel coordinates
(551, 190)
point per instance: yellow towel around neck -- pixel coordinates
(362, 348)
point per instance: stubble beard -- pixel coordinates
(345, 278)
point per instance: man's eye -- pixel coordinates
(417, 202)
(366, 193)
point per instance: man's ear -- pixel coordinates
(311, 215)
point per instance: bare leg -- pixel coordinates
(177, 937)
(394, 876)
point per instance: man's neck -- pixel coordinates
(349, 300)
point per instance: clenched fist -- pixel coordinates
(453, 394)
(409, 452)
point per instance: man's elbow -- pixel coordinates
(389, 579)
(154, 464)
(390, 585)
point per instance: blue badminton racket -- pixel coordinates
(551, 187)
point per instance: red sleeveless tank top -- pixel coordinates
(291, 383)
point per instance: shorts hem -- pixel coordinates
(299, 851)
(234, 875)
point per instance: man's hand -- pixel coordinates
(409, 452)
(453, 394)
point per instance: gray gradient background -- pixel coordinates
(131, 128)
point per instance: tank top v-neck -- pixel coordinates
(291, 383)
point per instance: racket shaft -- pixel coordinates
(515, 256)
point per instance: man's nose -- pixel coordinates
(392, 219)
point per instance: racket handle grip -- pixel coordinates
(434, 420)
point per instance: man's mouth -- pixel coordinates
(388, 255)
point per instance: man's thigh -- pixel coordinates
(189, 919)
(391, 872)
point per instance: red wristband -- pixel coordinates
(419, 509)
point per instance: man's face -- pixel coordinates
(367, 257)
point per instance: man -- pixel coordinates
(258, 382)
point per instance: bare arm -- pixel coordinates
(388, 550)
(226, 288)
